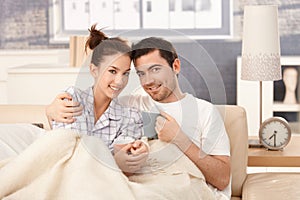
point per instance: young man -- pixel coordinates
(192, 124)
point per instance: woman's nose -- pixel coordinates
(121, 80)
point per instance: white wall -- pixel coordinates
(13, 58)
(36, 77)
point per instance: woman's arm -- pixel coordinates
(133, 156)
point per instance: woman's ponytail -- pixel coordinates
(95, 38)
(104, 46)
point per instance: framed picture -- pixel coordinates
(198, 19)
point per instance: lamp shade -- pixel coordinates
(260, 44)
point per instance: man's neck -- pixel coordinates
(174, 97)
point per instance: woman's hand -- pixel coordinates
(128, 162)
(63, 109)
(139, 147)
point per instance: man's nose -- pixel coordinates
(147, 79)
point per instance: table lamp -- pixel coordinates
(260, 46)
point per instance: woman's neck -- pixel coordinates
(101, 103)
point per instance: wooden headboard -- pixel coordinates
(24, 114)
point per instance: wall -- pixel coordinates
(24, 25)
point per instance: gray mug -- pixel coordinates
(149, 119)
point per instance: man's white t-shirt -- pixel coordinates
(198, 119)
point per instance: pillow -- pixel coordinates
(14, 138)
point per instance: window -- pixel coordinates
(198, 19)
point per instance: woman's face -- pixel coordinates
(111, 76)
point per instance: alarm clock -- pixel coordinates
(275, 133)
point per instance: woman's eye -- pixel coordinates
(126, 73)
(112, 71)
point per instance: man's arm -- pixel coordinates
(63, 109)
(216, 169)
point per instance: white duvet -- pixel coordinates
(64, 165)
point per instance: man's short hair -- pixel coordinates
(148, 45)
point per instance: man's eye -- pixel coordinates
(155, 69)
(112, 71)
(126, 73)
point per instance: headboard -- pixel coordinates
(24, 114)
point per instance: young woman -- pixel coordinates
(102, 115)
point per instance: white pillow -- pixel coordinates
(14, 138)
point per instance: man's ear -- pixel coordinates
(94, 70)
(176, 66)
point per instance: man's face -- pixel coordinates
(156, 77)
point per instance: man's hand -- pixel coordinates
(63, 109)
(128, 162)
(167, 128)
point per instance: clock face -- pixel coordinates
(275, 133)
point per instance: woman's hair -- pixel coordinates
(105, 46)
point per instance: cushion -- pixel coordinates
(272, 186)
(14, 138)
(235, 120)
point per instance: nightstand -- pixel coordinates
(288, 157)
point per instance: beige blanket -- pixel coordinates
(64, 165)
